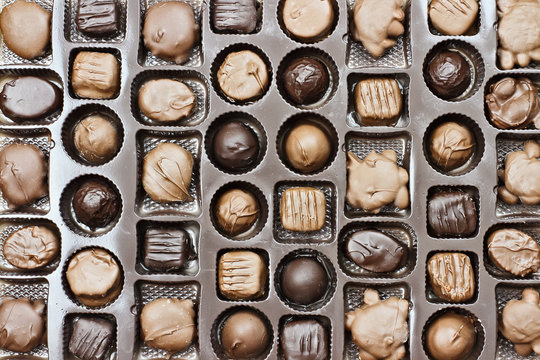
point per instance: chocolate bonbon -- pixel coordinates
(451, 276)
(306, 80)
(235, 146)
(31, 247)
(448, 74)
(308, 20)
(453, 17)
(236, 211)
(304, 281)
(452, 213)
(242, 275)
(451, 145)
(378, 101)
(304, 339)
(244, 335)
(96, 203)
(95, 75)
(375, 251)
(235, 15)
(167, 249)
(96, 139)
(514, 251)
(22, 324)
(91, 338)
(451, 336)
(243, 76)
(303, 209)
(165, 100)
(98, 18)
(307, 147)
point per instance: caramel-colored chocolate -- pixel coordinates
(451, 276)
(166, 100)
(451, 145)
(95, 75)
(450, 336)
(378, 101)
(243, 75)
(31, 247)
(453, 17)
(514, 251)
(22, 324)
(96, 139)
(303, 209)
(307, 147)
(308, 19)
(236, 211)
(241, 275)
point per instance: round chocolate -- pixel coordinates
(308, 19)
(304, 281)
(31, 247)
(451, 145)
(450, 336)
(96, 204)
(244, 335)
(170, 30)
(236, 211)
(375, 251)
(307, 147)
(235, 146)
(96, 139)
(306, 80)
(449, 74)
(166, 100)
(243, 75)
(22, 324)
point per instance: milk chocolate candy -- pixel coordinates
(166, 100)
(95, 75)
(376, 322)
(376, 23)
(236, 211)
(243, 75)
(514, 251)
(375, 251)
(91, 338)
(308, 20)
(451, 276)
(239, 16)
(96, 139)
(450, 336)
(452, 213)
(453, 17)
(304, 339)
(378, 101)
(167, 249)
(451, 145)
(303, 209)
(31, 247)
(244, 335)
(98, 18)
(307, 147)
(241, 275)
(22, 324)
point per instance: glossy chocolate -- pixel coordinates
(450, 336)
(22, 324)
(244, 335)
(452, 214)
(306, 80)
(304, 281)
(304, 339)
(375, 251)
(98, 18)
(378, 101)
(451, 276)
(167, 249)
(91, 338)
(235, 15)
(31, 247)
(96, 204)
(307, 147)
(451, 145)
(235, 146)
(514, 251)
(448, 74)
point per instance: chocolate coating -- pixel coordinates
(166, 100)
(31, 247)
(448, 74)
(451, 145)
(452, 213)
(306, 19)
(96, 139)
(378, 101)
(450, 337)
(236, 211)
(168, 324)
(242, 275)
(306, 80)
(235, 146)
(453, 17)
(303, 209)
(95, 75)
(308, 147)
(96, 204)
(243, 75)
(98, 18)
(91, 338)
(375, 251)
(304, 340)
(170, 30)
(23, 170)
(451, 276)
(29, 98)
(304, 281)
(514, 251)
(167, 249)
(244, 335)
(235, 15)
(22, 324)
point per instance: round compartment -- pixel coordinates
(310, 123)
(459, 125)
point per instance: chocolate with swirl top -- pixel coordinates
(236, 211)
(514, 251)
(375, 251)
(451, 276)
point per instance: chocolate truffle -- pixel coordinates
(379, 327)
(238, 16)
(304, 339)
(308, 20)
(304, 281)
(241, 275)
(376, 181)
(451, 145)
(29, 98)
(376, 23)
(26, 28)
(306, 80)
(22, 324)
(452, 214)
(31, 247)
(167, 249)
(378, 101)
(453, 17)
(96, 203)
(375, 251)
(243, 75)
(451, 276)
(303, 209)
(168, 324)
(94, 277)
(514, 251)
(166, 173)
(165, 100)
(450, 337)
(307, 147)
(448, 74)
(98, 18)
(23, 170)
(236, 211)
(91, 338)
(95, 75)
(235, 146)
(96, 139)
(513, 103)
(244, 335)
(170, 30)
(520, 322)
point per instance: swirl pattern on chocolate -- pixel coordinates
(236, 211)
(451, 276)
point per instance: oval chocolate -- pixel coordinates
(375, 251)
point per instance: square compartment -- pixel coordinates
(69, 323)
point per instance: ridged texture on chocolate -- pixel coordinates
(95, 75)
(91, 338)
(378, 101)
(241, 275)
(453, 17)
(235, 15)
(452, 213)
(31, 247)
(304, 340)
(375, 251)
(451, 276)
(98, 17)
(303, 209)
(22, 324)
(167, 249)
(514, 251)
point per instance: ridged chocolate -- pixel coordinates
(241, 275)
(304, 340)
(98, 18)
(167, 249)
(375, 251)
(451, 276)
(378, 101)
(235, 15)
(91, 338)
(303, 209)
(452, 213)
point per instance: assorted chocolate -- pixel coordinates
(514, 251)
(31, 247)
(95, 75)
(242, 275)
(96, 139)
(91, 338)
(375, 251)
(307, 147)
(451, 276)
(304, 281)
(452, 214)
(304, 339)
(307, 20)
(448, 74)
(235, 16)
(165, 100)
(235, 146)
(22, 324)
(167, 250)
(450, 336)
(96, 203)
(244, 335)
(451, 145)
(303, 209)
(378, 101)
(236, 211)
(98, 18)
(306, 80)
(453, 17)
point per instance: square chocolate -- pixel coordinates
(452, 213)
(91, 338)
(167, 249)
(242, 275)
(238, 16)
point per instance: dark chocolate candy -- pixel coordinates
(98, 18)
(91, 338)
(304, 340)
(375, 251)
(235, 15)
(306, 80)
(235, 146)
(449, 74)
(452, 213)
(167, 249)
(304, 281)
(96, 204)
(29, 98)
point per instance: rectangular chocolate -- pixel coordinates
(241, 275)
(98, 18)
(91, 338)
(235, 15)
(167, 249)
(303, 209)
